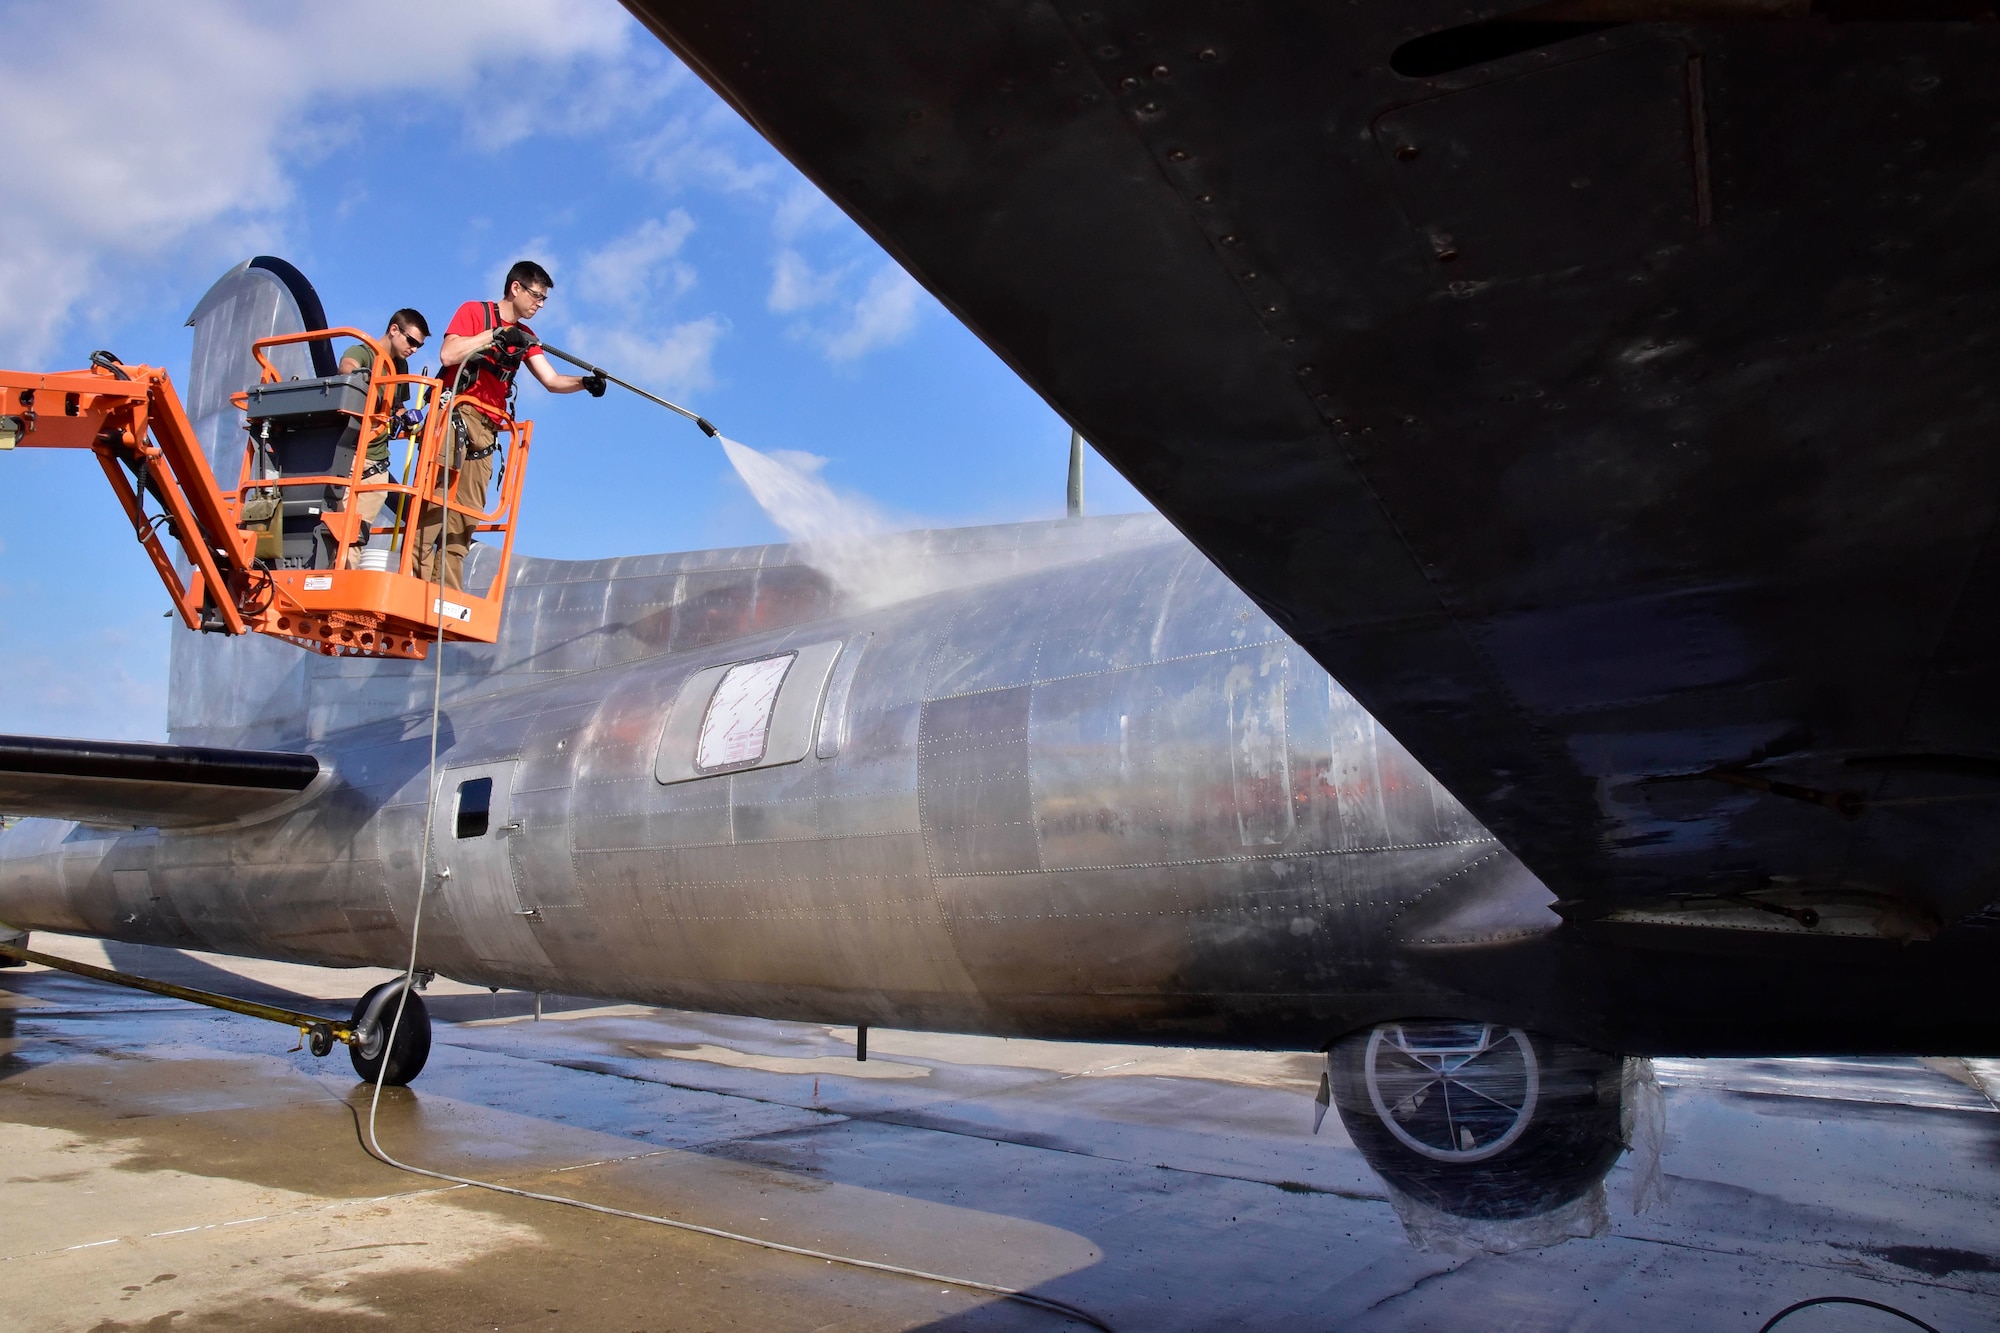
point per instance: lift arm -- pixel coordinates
(132, 420)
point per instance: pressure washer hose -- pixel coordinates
(374, 1145)
(706, 427)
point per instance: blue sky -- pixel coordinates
(405, 155)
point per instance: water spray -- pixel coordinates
(707, 428)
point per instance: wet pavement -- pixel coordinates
(174, 1167)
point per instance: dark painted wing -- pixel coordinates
(1609, 406)
(163, 786)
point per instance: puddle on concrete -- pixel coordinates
(826, 1065)
(1194, 1171)
(1284, 1070)
(196, 1191)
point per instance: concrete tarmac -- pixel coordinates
(172, 1167)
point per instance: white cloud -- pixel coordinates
(795, 286)
(678, 361)
(694, 151)
(700, 151)
(803, 209)
(134, 130)
(640, 266)
(618, 85)
(885, 314)
(630, 284)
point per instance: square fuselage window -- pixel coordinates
(737, 725)
(475, 807)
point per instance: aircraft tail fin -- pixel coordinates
(246, 689)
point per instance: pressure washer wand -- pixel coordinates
(580, 363)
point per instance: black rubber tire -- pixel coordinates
(374, 1013)
(1571, 1138)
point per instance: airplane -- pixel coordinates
(1548, 378)
(1055, 779)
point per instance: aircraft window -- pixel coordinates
(475, 806)
(738, 721)
(740, 715)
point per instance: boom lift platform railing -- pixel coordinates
(270, 554)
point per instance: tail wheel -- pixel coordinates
(374, 1015)
(1477, 1119)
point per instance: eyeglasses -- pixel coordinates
(412, 339)
(538, 297)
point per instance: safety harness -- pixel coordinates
(499, 362)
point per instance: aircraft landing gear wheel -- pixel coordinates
(1476, 1119)
(373, 1015)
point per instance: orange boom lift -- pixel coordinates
(268, 554)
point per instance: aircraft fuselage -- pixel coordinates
(1106, 798)
(1100, 796)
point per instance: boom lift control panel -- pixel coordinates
(271, 553)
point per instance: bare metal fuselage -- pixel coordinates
(1085, 789)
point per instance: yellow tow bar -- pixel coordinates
(318, 1033)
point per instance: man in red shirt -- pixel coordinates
(484, 345)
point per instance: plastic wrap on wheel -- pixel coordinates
(1642, 1119)
(1435, 1231)
(1491, 1138)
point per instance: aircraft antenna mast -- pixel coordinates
(1075, 473)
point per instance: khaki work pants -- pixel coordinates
(473, 477)
(369, 504)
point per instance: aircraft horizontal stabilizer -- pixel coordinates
(129, 783)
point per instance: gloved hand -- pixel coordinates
(512, 338)
(593, 384)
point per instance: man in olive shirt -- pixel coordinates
(407, 331)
